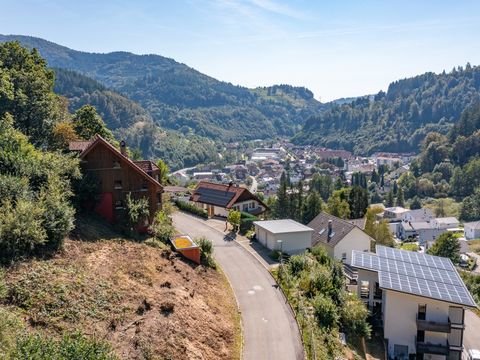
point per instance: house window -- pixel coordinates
(117, 185)
(245, 207)
(116, 164)
(422, 312)
(252, 205)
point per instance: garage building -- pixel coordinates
(295, 237)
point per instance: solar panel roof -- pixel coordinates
(215, 196)
(415, 273)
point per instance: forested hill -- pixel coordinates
(180, 98)
(399, 119)
(131, 122)
(116, 110)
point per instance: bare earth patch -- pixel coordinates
(146, 302)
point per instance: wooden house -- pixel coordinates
(117, 176)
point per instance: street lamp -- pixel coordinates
(280, 242)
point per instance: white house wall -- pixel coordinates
(400, 320)
(354, 240)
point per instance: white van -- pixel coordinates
(473, 354)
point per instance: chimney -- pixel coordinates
(330, 229)
(123, 148)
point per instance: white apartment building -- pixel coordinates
(419, 298)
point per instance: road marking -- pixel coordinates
(257, 288)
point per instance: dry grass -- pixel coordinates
(146, 302)
(474, 246)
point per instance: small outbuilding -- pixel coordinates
(286, 235)
(472, 230)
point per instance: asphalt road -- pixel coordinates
(471, 336)
(269, 327)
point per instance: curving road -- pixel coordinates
(269, 327)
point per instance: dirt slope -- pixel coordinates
(146, 302)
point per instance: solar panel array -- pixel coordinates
(415, 273)
(214, 196)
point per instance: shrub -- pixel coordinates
(234, 219)
(21, 229)
(162, 228)
(246, 222)
(10, 328)
(325, 311)
(297, 264)
(206, 251)
(137, 210)
(321, 255)
(192, 209)
(58, 215)
(71, 346)
(354, 317)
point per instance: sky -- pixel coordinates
(335, 48)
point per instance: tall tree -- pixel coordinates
(281, 210)
(447, 245)
(400, 198)
(163, 171)
(389, 202)
(358, 202)
(26, 92)
(312, 207)
(338, 206)
(415, 204)
(88, 123)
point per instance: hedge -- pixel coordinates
(192, 209)
(246, 222)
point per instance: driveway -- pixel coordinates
(471, 336)
(269, 327)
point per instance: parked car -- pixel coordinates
(472, 354)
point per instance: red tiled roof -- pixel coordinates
(78, 145)
(146, 165)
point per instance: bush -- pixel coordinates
(192, 209)
(206, 251)
(325, 311)
(10, 329)
(21, 229)
(354, 317)
(297, 264)
(246, 222)
(137, 211)
(162, 228)
(71, 346)
(234, 219)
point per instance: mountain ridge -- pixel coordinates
(181, 98)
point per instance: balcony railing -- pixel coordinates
(436, 326)
(429, 348)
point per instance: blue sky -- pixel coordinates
(335, 48)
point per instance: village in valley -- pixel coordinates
(239, 180)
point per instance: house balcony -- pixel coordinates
(435, 326)
(430, 348)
